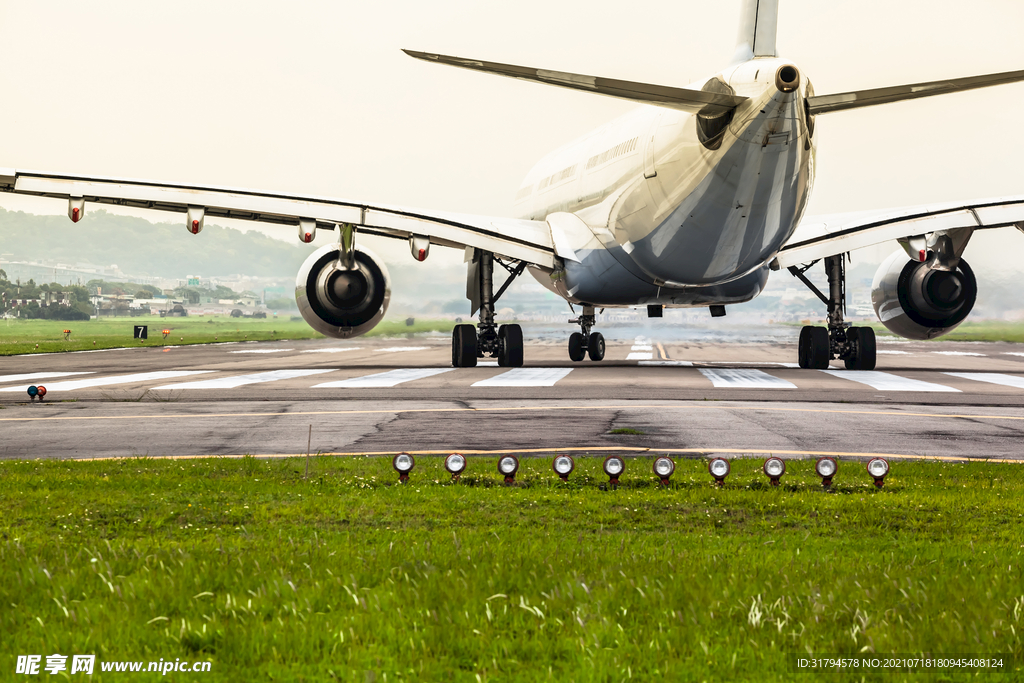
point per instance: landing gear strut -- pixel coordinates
(818, 345)
(504, 342)
(584, 342)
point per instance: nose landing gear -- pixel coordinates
(586, 343)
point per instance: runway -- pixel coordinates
(684, 393)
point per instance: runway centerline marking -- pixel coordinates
(991, 377)
(241, 380)
(526, 377)
(115, 379)
(4, 379)
(725, 378)
(386, 379)
(400, 411)
(884, 381)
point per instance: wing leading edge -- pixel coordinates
(522, 240)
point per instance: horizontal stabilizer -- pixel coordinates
(663, 96)
(824, 104)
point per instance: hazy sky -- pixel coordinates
(316, 97)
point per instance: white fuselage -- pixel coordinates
(679, 200)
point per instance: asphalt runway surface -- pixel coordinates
(689, 394)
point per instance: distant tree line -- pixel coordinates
(48, 302)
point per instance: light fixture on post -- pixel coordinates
(774, 468)
(719, 469)
(826, 468)
(403, 464)
(563, 465)
(455, 463)
(508, 465)
(614, 466)
(663, 468)
(878, 468)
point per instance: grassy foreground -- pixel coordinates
(346, 575)
(22, 336)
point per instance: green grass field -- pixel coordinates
(346, 575)
(23, 336)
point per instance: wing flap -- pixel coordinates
(517, 239)
(816, 239)
(684, 99)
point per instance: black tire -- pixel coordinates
(510, 346)
(576, 350)
(804, 347)
(595, 349)
(464, 346)
(862, 339)
(819, 353)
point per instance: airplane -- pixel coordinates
(690, 200)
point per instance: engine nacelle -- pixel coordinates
(917, 302)
(342, 303)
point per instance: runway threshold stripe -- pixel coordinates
(242, 380)
(393, 411)
(884, 381)
(723, 378)
(137, 378)
(639, 355)
(385, 379)
(4, 379)
(526, 377)
(1014, 381)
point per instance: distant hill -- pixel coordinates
(140, 247)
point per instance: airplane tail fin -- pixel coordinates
(759, 21)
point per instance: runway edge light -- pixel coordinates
(774, 468)
(664, 466)
(826, 468)
(878, 468)
(403, 464)
(614, 466)
(719, 469)
(508, 465)
(563, 465)
(455, 463)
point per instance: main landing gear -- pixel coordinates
(818, 345)
(586, 343)
(504, 342)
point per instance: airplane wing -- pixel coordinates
(816, 239)
(683, 99)
(521, 240)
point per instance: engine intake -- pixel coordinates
(918, 302)
(342, 303)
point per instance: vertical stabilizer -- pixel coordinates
(759, 21)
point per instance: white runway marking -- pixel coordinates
(4, 379)
(638, 355)
(241, 380)
(261, 351)
(487, 363)
(1014, 353)
(333, 349)
(116, 379)
(894, 353)
(680, 363)
(642, 347)
(883, 381)
(958, 353)
(386, 379)
(396, 349)
(526, 377)
(744, 379)
(993, 378)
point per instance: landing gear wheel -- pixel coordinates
(862, 339)
(815, 348)
(576, 350)
(464, 346)
(595, 349)
(510, 346)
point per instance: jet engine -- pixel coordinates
(340, 301)
(918, 302)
